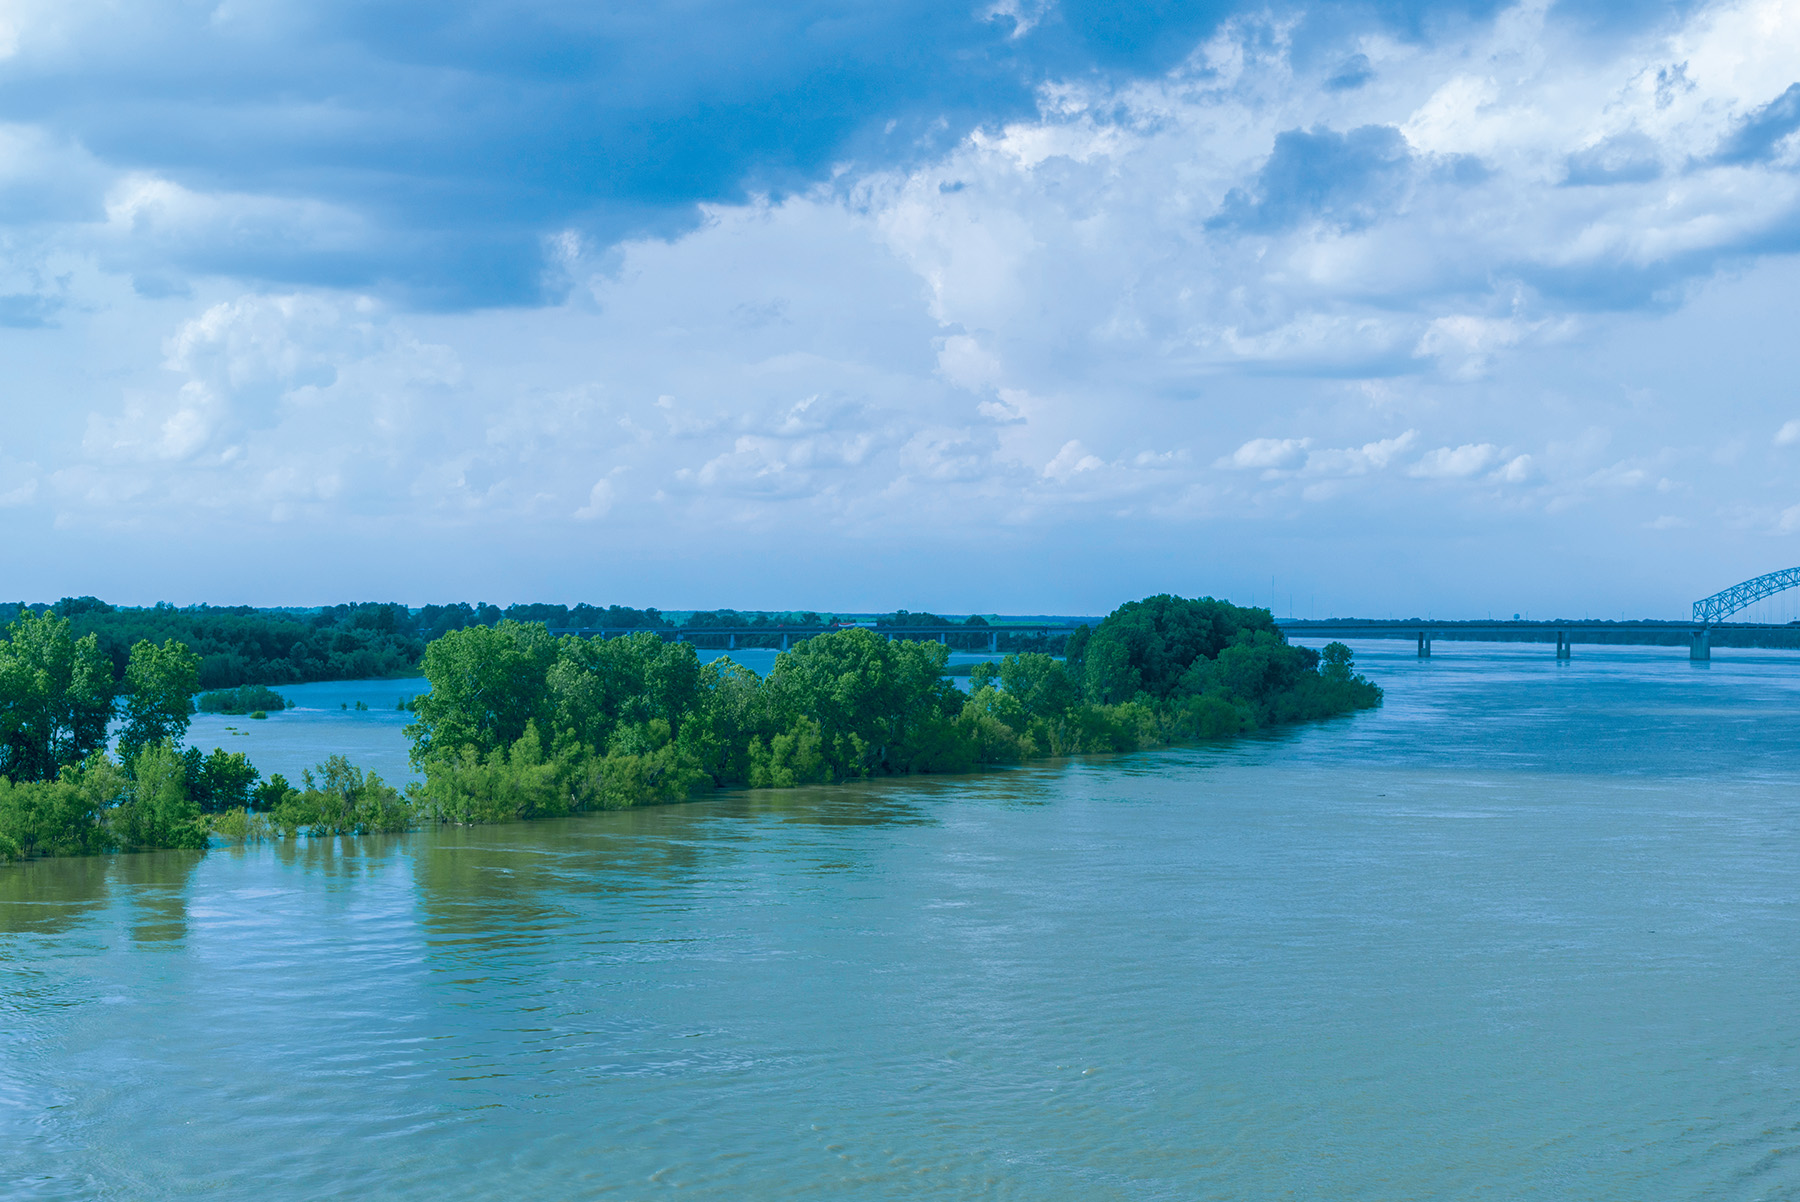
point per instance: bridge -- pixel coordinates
(1700, 634)
(729, 636)
(1706, 629)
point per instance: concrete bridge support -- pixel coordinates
(1424, 644)
(1700, 645)
(1565, 649)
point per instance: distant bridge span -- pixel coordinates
(1563, 634)
(1706, 628)
(1710, 610)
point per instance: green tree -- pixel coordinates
(341, 800)
(224, 780)
(1148, 646)
(882, 705)
(61, 817)
(487, 682)
(1038, 683)
(157, 811)
(160, 683)
(56, 697)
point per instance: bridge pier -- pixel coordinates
(784, 642)
(993, 642)
(731, 642)
(1424, 644)
(1700, 645)
(1565, 649)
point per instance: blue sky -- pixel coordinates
(1022, 306)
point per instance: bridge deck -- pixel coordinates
(1640, 633)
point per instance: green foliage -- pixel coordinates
(156, 810)
(341, 800)
(241, 825)
(224, 780)
(61, 817)
(56, 697)
(882, 705)
(160, 683)
(519, 724)
(271, 793)
(1041, 685)
(240, 645)
(501, 786)
(1148, 646)
(245, 699)
(487, 683)
(180, 799)
(793, 757)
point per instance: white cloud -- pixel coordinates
(1031, 329)
(1456, 463)
(599, 502)
(1359, 461)
(1268, 453)
(1516, 470)
(1071, 460)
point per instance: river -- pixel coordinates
(1531, 930)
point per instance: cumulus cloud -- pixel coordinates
(599, 502)
(1456, 463)
(1283, 265)
(1268, 453)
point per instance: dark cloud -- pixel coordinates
(456, 134)
(1755, 139)
(27, 310)
(1623, 159)
(1353, 73)
(1344, 179)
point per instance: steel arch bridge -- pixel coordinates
(1722, 605)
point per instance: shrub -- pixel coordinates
(341, 800)
(252, 699)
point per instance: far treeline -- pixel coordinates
(520, 723)
(240, 645)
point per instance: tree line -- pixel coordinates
(522, 724)
(241, 645)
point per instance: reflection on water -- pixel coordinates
(1529, 931)
(48, 896)
(157, 884)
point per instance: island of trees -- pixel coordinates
(520, 723)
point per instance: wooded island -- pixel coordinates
(523, 724)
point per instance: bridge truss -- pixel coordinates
(1723, 604)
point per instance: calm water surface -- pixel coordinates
(1529, 931)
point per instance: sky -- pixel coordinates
(1030, 306)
